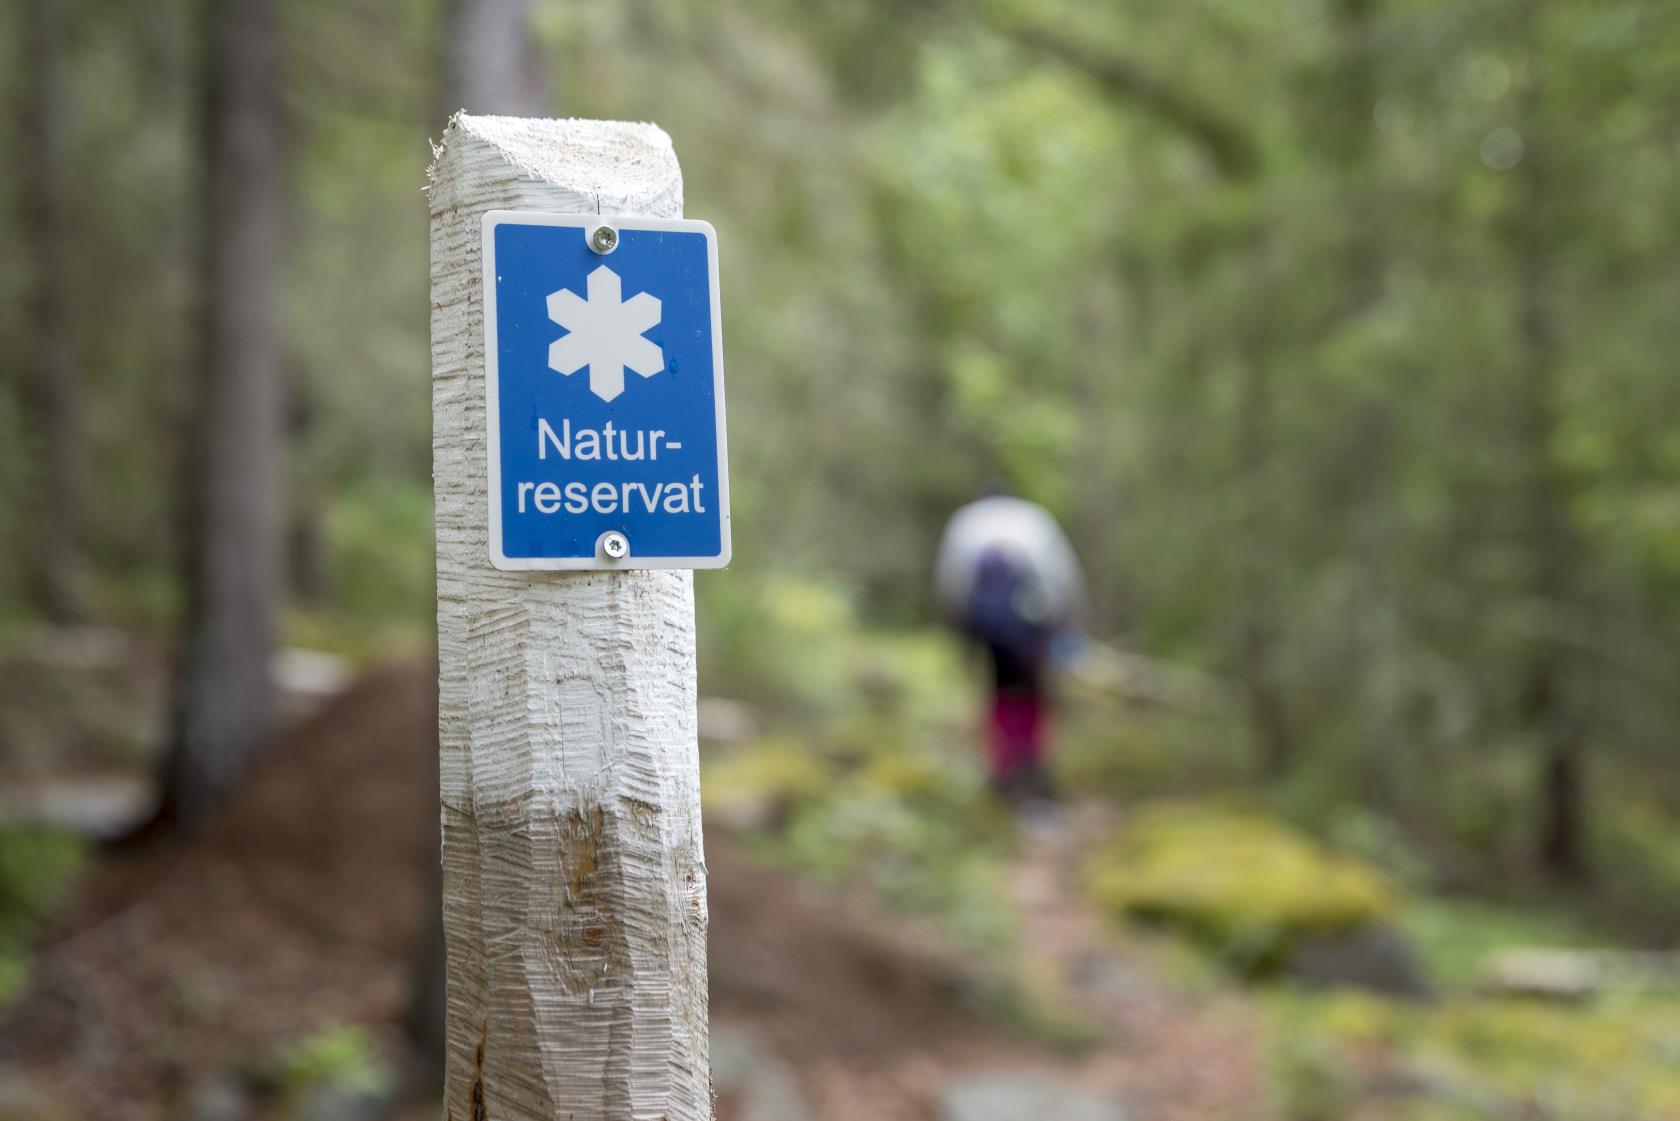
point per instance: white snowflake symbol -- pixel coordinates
(606, 333)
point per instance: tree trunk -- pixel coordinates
(1376, 638)
(491, 62)
(223, 693)
(1270, 721)
(1548, 703)
(1550, 706)
(306, 524)
(53, 545)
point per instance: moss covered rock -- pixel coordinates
(1249, 887)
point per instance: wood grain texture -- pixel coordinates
(573, 872)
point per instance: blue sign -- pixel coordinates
(603, 372)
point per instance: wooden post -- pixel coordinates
(573, 874)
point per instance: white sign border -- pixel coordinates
(492, 401)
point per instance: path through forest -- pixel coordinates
(182, 973)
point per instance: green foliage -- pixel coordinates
(869, 803)
(1246, 886)
(924, 834)
(378, 596)
(37, 866)
(1641, 843)
(797, 645)
(379, 556)
(765, 781)
(778, 640)
(339, 1057)
(1339, 335)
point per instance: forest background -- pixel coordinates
(1339, 334)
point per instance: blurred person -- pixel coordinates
(1008, 579)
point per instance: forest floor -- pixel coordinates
(256, 970)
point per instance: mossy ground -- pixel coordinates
(1467, 1058)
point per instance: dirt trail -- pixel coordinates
(876, 1028)
(303, 908)
(1171, 1055)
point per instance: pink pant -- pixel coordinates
(1015, 733)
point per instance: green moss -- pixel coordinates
(1243, 884)
(1469, 1058)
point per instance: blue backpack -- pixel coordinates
(1006, 608)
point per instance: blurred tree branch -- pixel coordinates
(1229, 146)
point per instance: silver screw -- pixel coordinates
(604, 239)
(615, 545)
